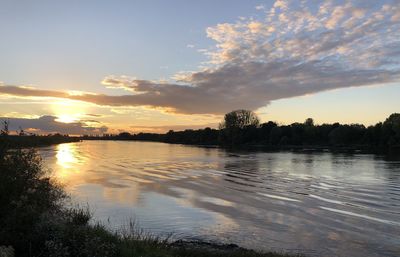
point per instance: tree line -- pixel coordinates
(242, 127)
(22, 139)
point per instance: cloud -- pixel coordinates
(30, 91)
(260, 7)
(296, 49)
(281, 4)
(48, 124)
(93, 115)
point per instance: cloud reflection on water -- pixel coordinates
(251, 198)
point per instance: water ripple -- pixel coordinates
(319, 204)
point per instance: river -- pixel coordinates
(319, 204)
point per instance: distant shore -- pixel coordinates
(238, 131)
(16, 141)
(362, 149)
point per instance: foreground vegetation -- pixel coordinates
(242, 128)
(34, 220)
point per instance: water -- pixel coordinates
(320, 204)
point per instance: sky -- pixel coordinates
(94, 67)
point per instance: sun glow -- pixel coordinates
(68, 162)
(66, 155)
(66, 118)
(68, 111)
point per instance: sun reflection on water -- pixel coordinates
(66, 155)
(67, 161)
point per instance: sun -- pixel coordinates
(68, 111)
(66, 118)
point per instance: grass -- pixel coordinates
(35, 222)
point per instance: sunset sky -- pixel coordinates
(86, 67)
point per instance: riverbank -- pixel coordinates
(15, 141)
(350, 149)
(35, 221)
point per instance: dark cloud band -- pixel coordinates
(49, 124)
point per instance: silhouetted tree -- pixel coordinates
(5, 131)
(124, 135)
(239, 127)
(240, 119)
(21, 132)
(275, 135)
(309, 122)
(265, 131)
(391, 129)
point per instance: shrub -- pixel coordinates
(33, 219)
(26, 192)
